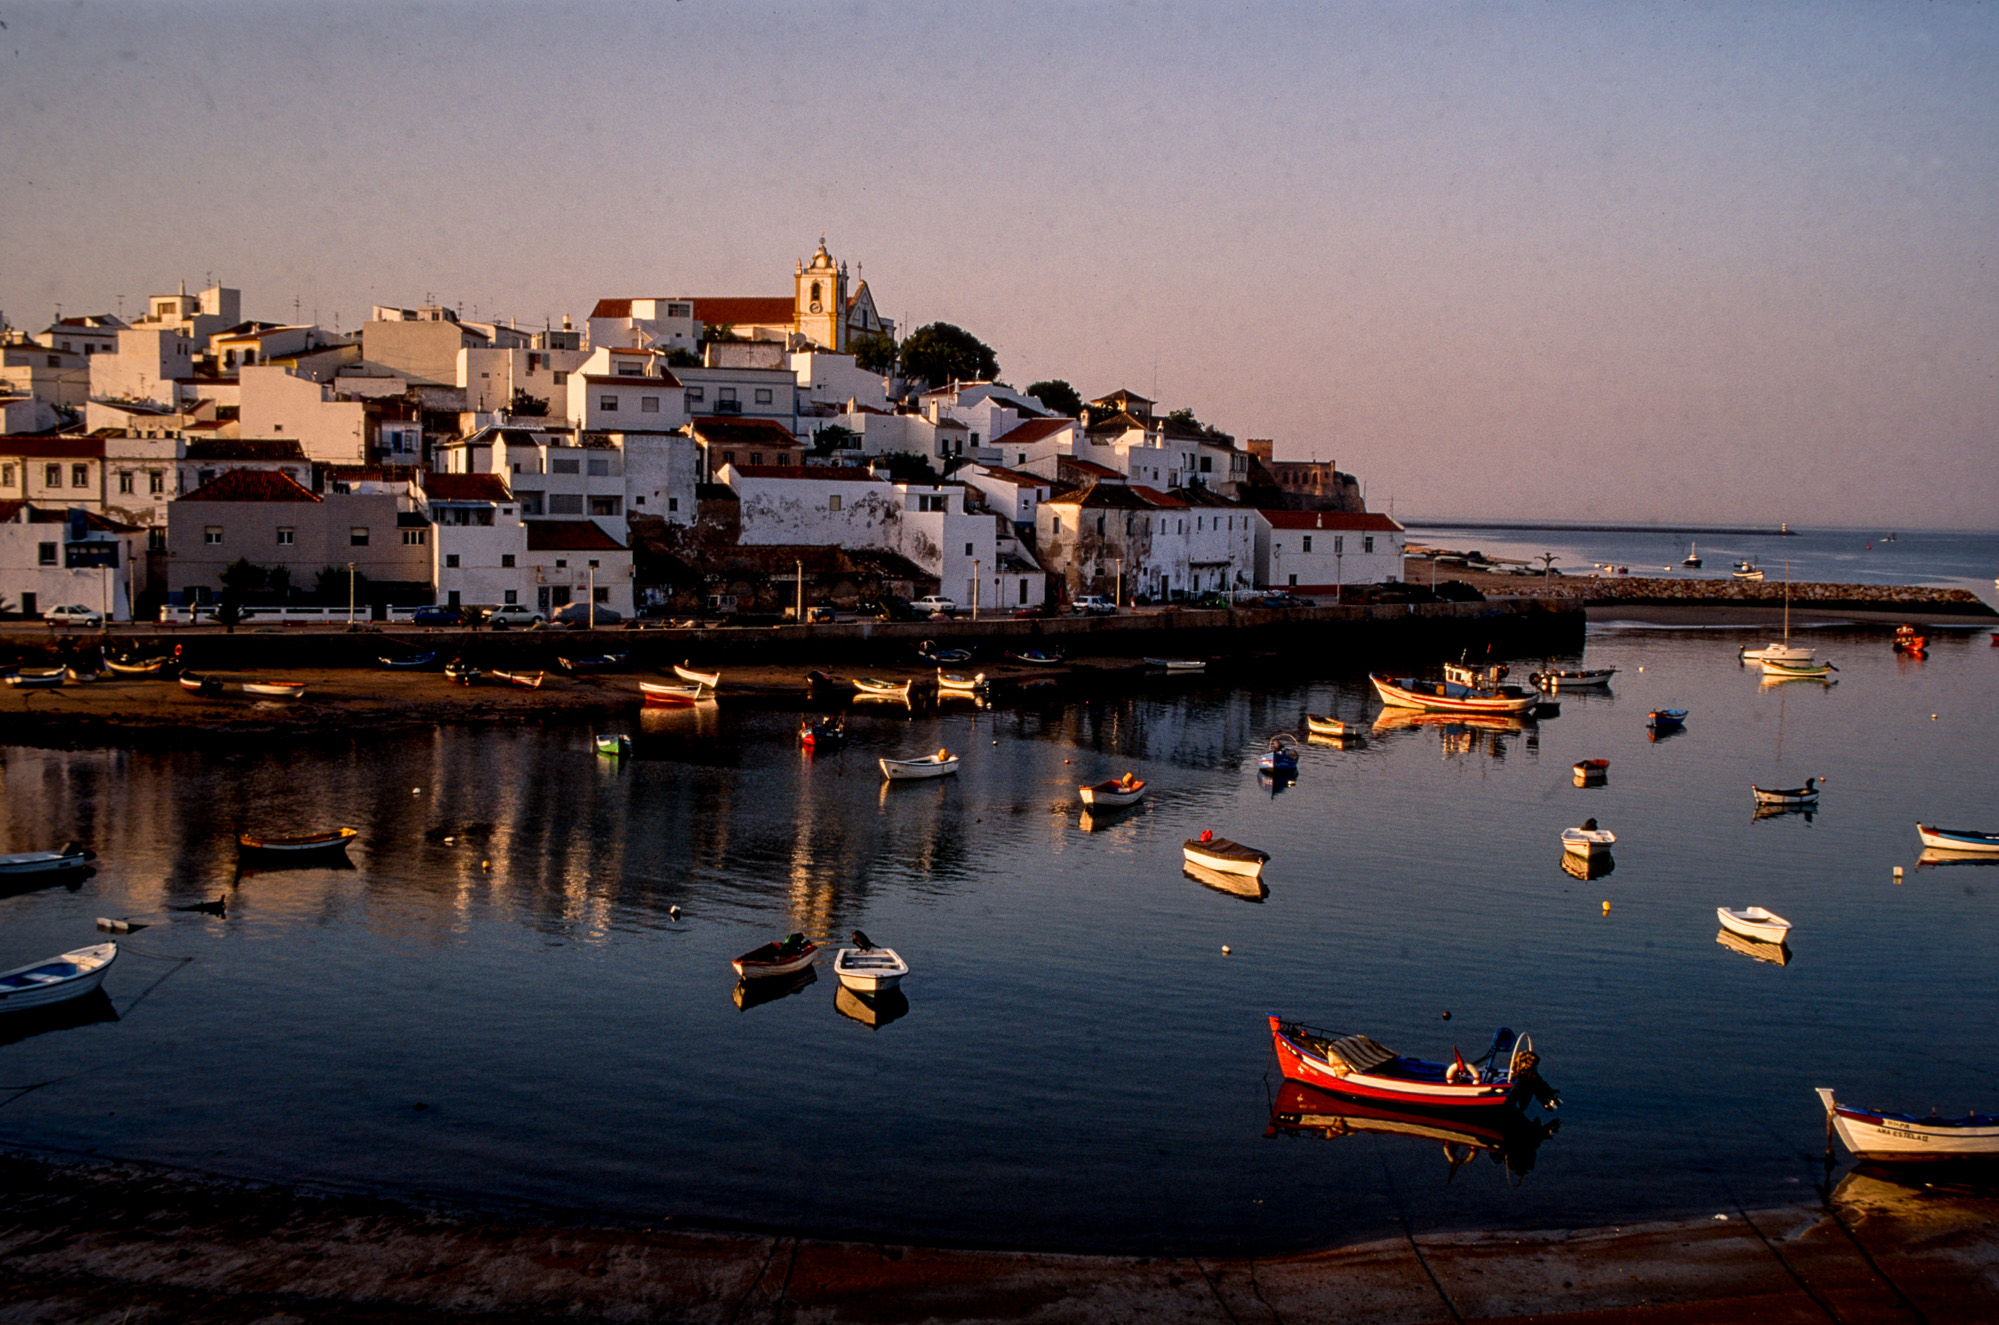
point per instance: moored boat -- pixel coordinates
(462, 672)
(868, 969)
(821, 733)
(1126, 790)
(1754, 922)
(303, 844)
(1451, 697)
(1235, 885)
(1316, 725)
(199, 685)
(1666, 719)
(1805, 795)
(930, 653)
(787, 957)
(712, 680)
(1875, 1134)
(600, 662)
(1035, 657)
(525, 680)
(1280, 756)
(942, 764)
(1796, 671)
(614, 745)
(1178, 664)
(1224, 856)
(1589, 840)
(36, 679)
(25, 863)
(1958, 839)
(408, 662)
(869, 687)
(1591, 770)
(1359, 1067)
(1777, 954)
(136, 666)
(56, 979)
(959, 683)
(1693, 557)
(1908, 641)
(1590, 678)
(666, 694)
(275, 689)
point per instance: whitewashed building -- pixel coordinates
(1319, 552)
(51, 556)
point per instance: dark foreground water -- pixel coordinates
(1079, 1065)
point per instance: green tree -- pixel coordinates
(873, 353)
(834, 437)
(940, 353)
(330, 586)
(1185, 418)
(523, 403)
(1057, 395)
(721, 331)
(682, 357)
(243, 576)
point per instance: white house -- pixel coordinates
(1011, 493)
(479, 541)
(829, 379)
(1318, 552)
(490, 377)
(569, 561)
(148, 365)
(328, 426)
(625, 389)
(51, 557)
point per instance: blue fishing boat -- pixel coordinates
(1666, 719)
(1282, 755)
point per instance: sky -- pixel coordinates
(1582, 261)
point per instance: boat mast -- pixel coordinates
(1787, 600)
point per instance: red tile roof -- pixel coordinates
(1162, 499)
(1372, 521)
(1090, 467)
(612, 308)
(54, 448)
(252, 485)
(466, 487)
(752, 311)
(1017, 478)
(665, 379)
(570, 536)
(1032, 430)
(729, 430)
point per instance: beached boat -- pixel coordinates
(712, 680)
(787, 957)
(1754, 922)
(136, 666)
(1315, 725)
(614, 745)
(1958, 839)
(408, 663)
(1178, 664)
(601, 662)
(1127, 790)
(666, 694)
(930, 653)
(1589, 840)
(463, 673)
(1451, 697)
(35, 679)
(525, 680)
(1796, 671)
(959, 683)
(940, 765)
(275, 689)
(304, 844)
(199, 685)
(1591, 678)
(1235, 885)
(1035, 658)
(1874, 1134)
(1666, 719)
(23, 864)
(57, 979)
(868, 969)
(1777, 954)
(1805, 795)
(821, 733)
(1224, 856)
(1358, 1067)
(1280, 756)
(875, 688)
(81, 677)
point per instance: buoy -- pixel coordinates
(1933, 717)
(1226, 950)
(1641, 669)
(1447, 1014)
(1898, 874)
(673, 912)
(1606, 908)
(416, 791)
(485, 864)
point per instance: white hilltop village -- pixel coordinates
(672, 455)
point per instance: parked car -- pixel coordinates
(578, 616)
(818, 615)
(1093, 605)
(437, 616)
(73, 614)
(930, 604)
(512, 614)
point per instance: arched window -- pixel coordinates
(815, 292)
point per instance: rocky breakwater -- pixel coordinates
(1752, 599)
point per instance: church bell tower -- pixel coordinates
(820, 305)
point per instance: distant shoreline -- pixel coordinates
(1561, 527)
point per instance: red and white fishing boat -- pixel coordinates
(665, 694)
(788, 957)
(1452, 697)
(1359, 1068)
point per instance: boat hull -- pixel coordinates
(1448, 697)
(1216, 857)
(1578, 842)
(914, 770)
(1765, 929)
(709, 679)
(869, 972)
(669, 696)
(1300, 1064)
(311, 844)
(1957, 839)
(1109, 794)
(56, 980)
(1885, 1138)
(1597, 679)
(752, 967)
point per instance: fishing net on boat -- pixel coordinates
(1361, 1053)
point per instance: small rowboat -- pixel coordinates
(302, 845)
(789, 957)
(463, 673)
(1035, 658)
(602, 662)
(407, 664)
(1224, 856)
(824, 733)
(1805, 795)
(1589, 840)
(26, 863)
(1666, 719)
(1451, 697)
(869, 687)
(525, 680)
(1800, 671)
(949, 657)
(686, 673)
(1127, 790)
(614, 746)
(56, 980)
(959, 683)
(1591, 770)
(661, 693)
(199, 685)
(942, 764)
(1178, 664)
(275, 689)
(1360, 1068)
(1753, 922)
(136, 666)
(1282, 755)
(869, 970)
(1318, 726)
(1872, 1134)
(38, 680)
(1958, 839)
(1594, 678)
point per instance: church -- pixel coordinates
(821, 312)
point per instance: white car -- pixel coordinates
(513, 614)
(73, 614)
(936, 602)
(1093, 605)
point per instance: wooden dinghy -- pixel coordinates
(713, 680)
(25, 864)
(196, 684)
(304, 844)
(56, 979)
(1224, 856)
(788, 956)
(1126, 790)
(1666, 719)
(274, 689)
(1796, 671)
(136, 666)
(409, 663)
(1754, 922)
(1874, 1134)
(957, 683)
(1280, 756)
(1805, 795)
(37, 679)
(665, 694)
(525, 680)
(1592, 678)
(1358, 1067)
(870, 687)
(1590, 772)
(940, 765)
(1589, 840)
(867, 969)
(1320, 726)
(1958, 839)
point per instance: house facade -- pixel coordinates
(1320, 552)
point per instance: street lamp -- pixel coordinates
(350, 593)
(1339, 575)
(975, 588)
(592, 610)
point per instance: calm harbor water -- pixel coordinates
(1078, 1064)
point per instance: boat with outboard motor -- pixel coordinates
(940, 765)
(1589, 840)
(868, 969)
(1358, 1067)
(817, 734)
(787, 957)
(1894, 1138)
(1280, 756)
(1126, 790)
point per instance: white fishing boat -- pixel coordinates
(666, 694)
(306, 844)
(57, 979)
(867, 969)
(275, 689)
(712, 680)
(1754, 922)
(871, 687)
(1127, 790)
(940, 765)
(26, 863)
(1589, 678)
(1589, 840)
(958, 683)
(1745, 571)
(1873, 1134)
(1178, 664)
(1225, 857)
(1797, 671)
(1805, 795)
(32, 679)
(1958, 839)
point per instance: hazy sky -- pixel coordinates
(1679, 262)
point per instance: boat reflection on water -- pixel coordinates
(1781, 811)
(1235, 885)
(1099, 818)
(1509, 1137)
(1276, 781)
(1777, 954)
(1461, 733)
(1593, 866)
(93, 1007)
(872, 1010)
(754, 993)
(249, 867)
(1932, 858)
(1355, 741)
(16, 885)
